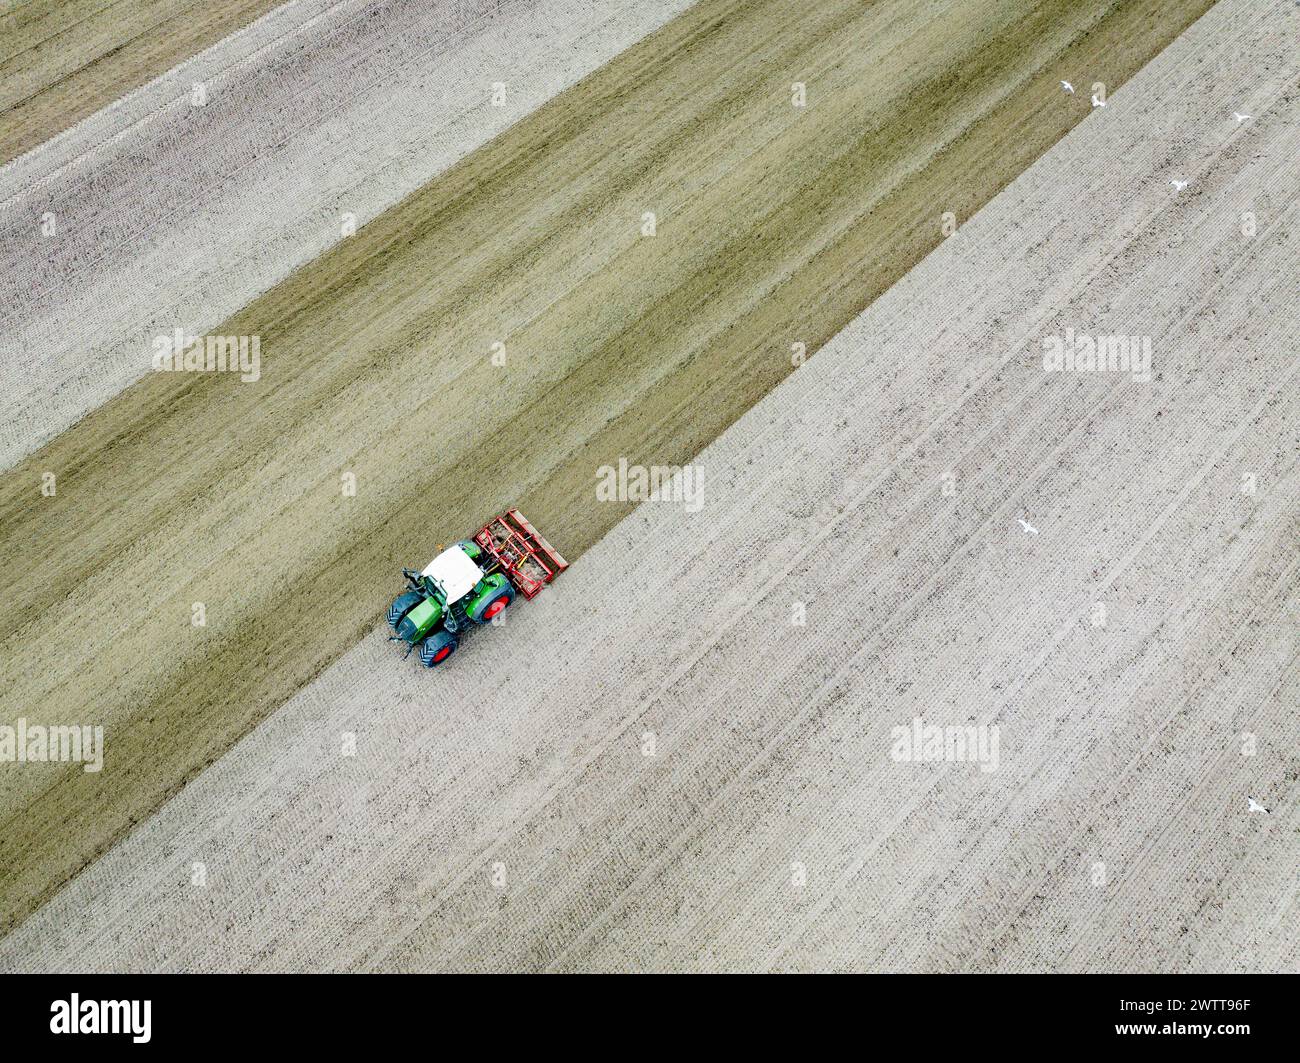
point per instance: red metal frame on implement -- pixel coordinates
(528, 560)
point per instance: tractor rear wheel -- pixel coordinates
(489, 605)
(402, 605)
(437, 648)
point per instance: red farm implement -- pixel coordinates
(528, 560)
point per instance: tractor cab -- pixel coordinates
(455, 571)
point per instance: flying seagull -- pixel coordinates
(1096, 102)
(1241, 117)
(1068, 87)
(1029, 529)
(1178, 185)
(1255, 806)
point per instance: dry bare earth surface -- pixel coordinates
(157, 214)
(61, 60)
(503, 813)
(775, 224)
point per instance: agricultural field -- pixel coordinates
(60, 62)
(830, 267)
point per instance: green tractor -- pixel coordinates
(469, 584)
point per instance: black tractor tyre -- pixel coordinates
(402, 605)
(483, 610)
(437, 648)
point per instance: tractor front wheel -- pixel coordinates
(437, 648)
(402, 605)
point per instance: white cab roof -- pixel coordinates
(456, 571)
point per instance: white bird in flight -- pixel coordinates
(1096, 102)
(1255, 806)
(1178, 185)
(1028, 528)
(1241, 117)
(1068, 87)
